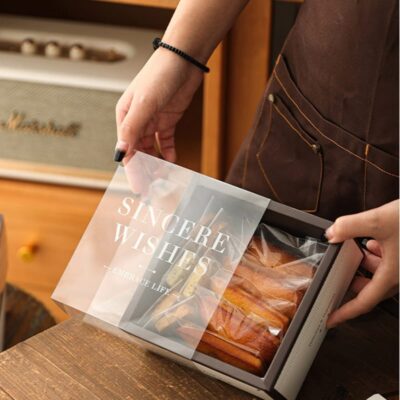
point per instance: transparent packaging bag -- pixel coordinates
(184, 262)
(251, 314)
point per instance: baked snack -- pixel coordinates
(245, 320)
(215, 346)
(249, 303)
(166, 302)
(233, 337)
(268, 286)
(174, 316)
(233, 324)
(264, 254)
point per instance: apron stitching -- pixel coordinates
(386, 172)
(296, 130)
(267, 180)
(301, 136)
(325, 136)
(258, 156)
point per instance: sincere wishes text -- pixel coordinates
(180, 228)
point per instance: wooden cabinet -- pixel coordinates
(50, 220)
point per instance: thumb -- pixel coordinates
(364, 224)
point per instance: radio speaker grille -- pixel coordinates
(57, 125)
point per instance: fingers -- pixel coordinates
(133, 119)
(371, 262)
(359, 284)
(147, 140)
(365, 224)
(374, 247)
(166, 143)
(122, 108)
(381, 258)
(371, 293)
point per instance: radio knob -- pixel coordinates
(111, 55)
(77, 52)
(52, 50)
(28, 47)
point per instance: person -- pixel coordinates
(325, 136)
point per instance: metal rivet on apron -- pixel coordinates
(316, 148)
(271, 98)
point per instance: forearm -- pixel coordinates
(197, 26)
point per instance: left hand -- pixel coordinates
(381, 258)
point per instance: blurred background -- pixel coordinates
(63, 66)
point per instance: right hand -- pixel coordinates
(154, 102)
(381, 259)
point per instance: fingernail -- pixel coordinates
(329, 233)
(120, 150)
(119, 155)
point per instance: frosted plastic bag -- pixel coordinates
(158, 235)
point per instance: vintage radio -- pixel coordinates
(59, 84)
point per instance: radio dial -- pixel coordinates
(52, 50)
(28, 47)
(77, 52)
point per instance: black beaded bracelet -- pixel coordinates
(157, 42)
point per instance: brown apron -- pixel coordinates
(325, 137)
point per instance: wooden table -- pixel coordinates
(74, 360)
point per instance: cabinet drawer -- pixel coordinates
(49, 221)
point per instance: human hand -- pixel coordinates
(149, 109)
(381, 258)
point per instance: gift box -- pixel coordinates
(215, 277)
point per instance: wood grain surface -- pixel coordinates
(74, 360)
(248, 58)
(54, 218)
(213, 114)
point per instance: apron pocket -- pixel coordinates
(290, 159)
(357, 175)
